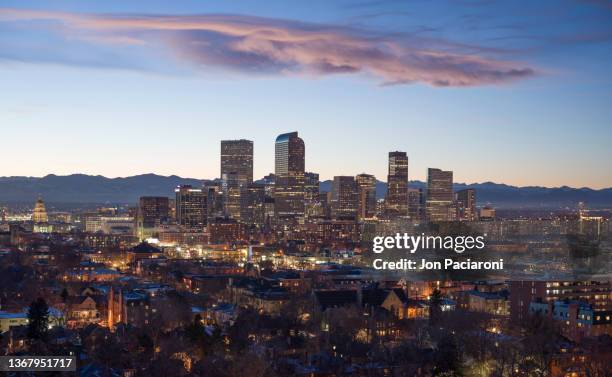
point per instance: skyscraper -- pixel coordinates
(416, 204)
(236, 174)
(366, 188)
(312, 203)
(152, 211)
(439, 195)
(191, 208)
(466, 204)
(253, 209)
(397, 185)
(345, 198)
(289, 171)
(214, 201)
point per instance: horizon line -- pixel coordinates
(328, 179)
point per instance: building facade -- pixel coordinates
(191, 208)
(345, 198)
(397, 185)
(439, 195)
(366, 188)
(289, 176)
(236, 174)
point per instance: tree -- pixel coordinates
(435, 301)
(38, 317)
(64, 295)
(446, 356)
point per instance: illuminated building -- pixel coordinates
(82, 311)
(40, 213)
(487, 213)
(8, 320)
(225, 230)
(598, 294)
(439, 195)
(152, 211)
(236, 174)
(345, 199)
(366, 187)
(40, 218)
(416, 204)
(466, 204)
(576, 319)
(214, 201)
(589, 225)
(191, 211)
(494, 303)
(143, 251)
(289, 172)
(397, 185)
(401, 306)
(312, 204)
(237, 159)
(253, 209)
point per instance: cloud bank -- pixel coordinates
(257, 45)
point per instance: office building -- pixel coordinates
(466, 204)
(236, 174)
(397, 185)
(253, 210)
(152, 211)
(312, 204)
(191, 208)
(439, 195)
(366, 187)
(289, 176)
(345, 198)
(416, 204)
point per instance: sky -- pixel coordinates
(514, 92)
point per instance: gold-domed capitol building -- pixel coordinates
(40, 212)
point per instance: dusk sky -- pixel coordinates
(518, 92)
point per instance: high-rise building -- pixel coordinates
(253, 210)
(312, 204)
(237, 158)
(289, 172)
(236, 174)
(214, 201)
(366, 187)
(439, 195)
(152, 211)
(191, 208)
(397, 185)
(345, 198)
(466, 204)
(416, 204)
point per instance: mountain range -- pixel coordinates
(82, 189)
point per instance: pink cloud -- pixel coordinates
(263, 45)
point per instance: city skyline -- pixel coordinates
(498, 98)
(330, 179)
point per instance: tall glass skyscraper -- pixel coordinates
(466, 204)
(345, 198)
(191, 208)
(236, 174)
(289, 171)
(366, 185)
(397, 185)
(439, 195)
